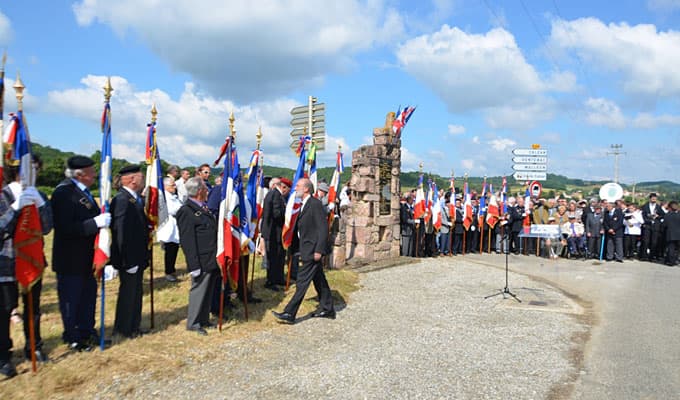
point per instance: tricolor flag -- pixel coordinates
(245, 232)
(155, 207)
(102, 243)
(436, 207)
(252, 189)
(504, 196)
(28, 241)
(311, 159)
(467, 207)
(452, 203)
(228, 232)
(493, 212)
(2, 115)
(419, 204)
(334, 187)
(482, 205)
(527, 211)
(261, 190)
(401, 119)
(293, 204)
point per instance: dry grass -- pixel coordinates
(71, 375)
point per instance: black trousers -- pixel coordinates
(311, 271)
(129, 304)
(672, 254)
(35, 298)
(276, 257)
(170, 249)
(650, 242)
(594, 246)
(630, 245)
(8, 302)
(77, 302)
(457, 243)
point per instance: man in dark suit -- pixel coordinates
(407, 227)
(311, 231)
(77, 220)
(198, 238)
(613, 227)
(652, 214)
(129, 250)
(273, 215)
(671, 222)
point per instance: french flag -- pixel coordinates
(335, 180)
(293, 204)
(419, 205)
(527, 211)
(228, 233)
(156, 207)
(436, 207)
(102, 250)
(467, 207)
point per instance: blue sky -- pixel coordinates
(487, 76)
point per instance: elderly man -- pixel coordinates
(77, 220)
(613, 227)
(129, 250)
(273, 215)
(310, 236)
(198, 238)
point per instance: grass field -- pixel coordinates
(70, 375)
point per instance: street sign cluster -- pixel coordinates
(311, 118)
(530, 164)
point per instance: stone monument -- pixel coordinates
(371, 229)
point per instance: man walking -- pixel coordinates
(311, 235)
(273, 215)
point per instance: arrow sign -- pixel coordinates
(530, 160)
(530, 152)
(530, 176)
(316, 108)
(302, 120)
(530, 167)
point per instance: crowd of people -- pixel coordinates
(193, 205)
(599, 229)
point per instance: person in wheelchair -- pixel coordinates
(574, 231)
(553, 247)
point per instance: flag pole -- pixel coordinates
(481, 222)
(19, 89)
(102, 324)
(452, 225)
(417, 224)
(154, 113)
(243, 266)
(258, 139)
(2, 105)
(465, 177)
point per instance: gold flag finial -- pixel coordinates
(108, 89)
(339, 148)
(452, 174)
(420, 166)
(258, 137)
(19, 89)
(466, 176)
(232, 130)
(4, 60)
(154, 113)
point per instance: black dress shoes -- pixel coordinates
(271, 287)
(80, 347)
(201, 331)
(284, 318)
(209, 325)
(40, 356)
(324, 314)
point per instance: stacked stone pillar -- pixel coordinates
(371, 225)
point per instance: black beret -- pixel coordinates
(652, 195)
(78, 162)
(129, 169)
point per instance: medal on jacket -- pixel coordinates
(87, 203)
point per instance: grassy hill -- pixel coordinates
(55, 161)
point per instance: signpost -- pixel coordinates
(530, 164)
(313, 118)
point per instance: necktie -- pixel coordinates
(89, 195)
(573, 231)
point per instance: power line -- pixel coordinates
(616, 153)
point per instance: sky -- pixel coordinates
(487, 77)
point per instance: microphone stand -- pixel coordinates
(506, 289)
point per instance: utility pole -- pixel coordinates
(616, 152)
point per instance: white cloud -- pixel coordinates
(645, 58)
(502, 144)
(486, 72)
(190, 128)
(5, 30)
(519, 117)
(550, 137)
(475, 139)
(603, 112)
(650, 121)
(467, 164)
(236, 49)
(455, 130)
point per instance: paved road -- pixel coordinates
(634, 351)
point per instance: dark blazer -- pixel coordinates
(406, 220)
(129, 232)
(614, 222)
(593, 224)
(198, 237)
(273, 215)
(515, 219)
(671, 222)
(647, 216)
(312, 228)
(458, 227)
(74, 230)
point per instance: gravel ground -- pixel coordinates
(419, 331)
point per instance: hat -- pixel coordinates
(572, 216)
(551, 219)
(652, 195)
(129, 169)
(286, 182)
(78, 162)
(582, 202)
(323, 186)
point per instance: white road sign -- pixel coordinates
(530, 160)
(530, 167)
(530, 176)
(304, 110)
(530, 152)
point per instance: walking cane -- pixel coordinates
(602, 238)
(464, 235)
(31, 329)
(290, 264)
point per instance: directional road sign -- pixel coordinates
(530, 152)
(529, 160)
(311, 118)
(318, 108)
(530, 176)
(530, 167)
